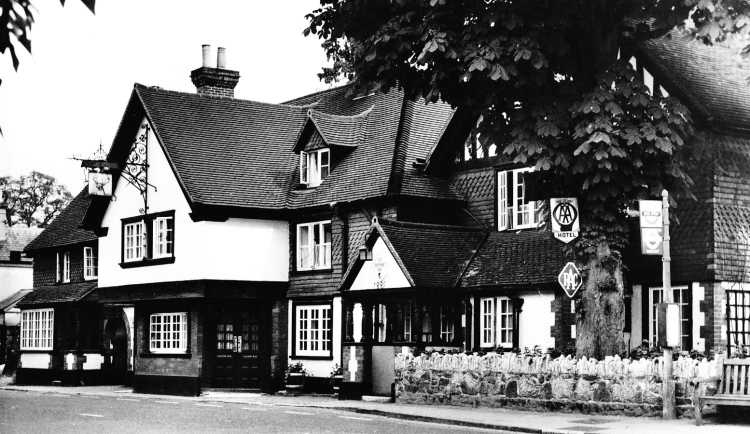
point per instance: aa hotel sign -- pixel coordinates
(565, 225)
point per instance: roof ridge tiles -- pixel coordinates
(320, 92)
(435, 226)
(139, 86)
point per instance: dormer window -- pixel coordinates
(314, 166)
(514, 210)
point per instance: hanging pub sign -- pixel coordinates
(565, 224)
(652, 227)
(100, 184)
(570, 279)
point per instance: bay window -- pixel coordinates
(37, 328)
(514, 210)
(314, 245)
(148, 239)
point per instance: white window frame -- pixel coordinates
(168, 332)
(134, 244)
(313, 330)
(311, 256)
(312, 171)
(37, 329)
(408, 308)
(492, 311)
(90, 263)
(685, 323)
(520, 213)
(58, 274)
(66, 267)
(163, 237)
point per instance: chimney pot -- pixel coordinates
(206, 56)
(221, 58)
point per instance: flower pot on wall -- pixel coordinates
(295, 382)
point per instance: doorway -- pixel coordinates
(237, 349)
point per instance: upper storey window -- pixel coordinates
(148, 239)
(514, 211)
(314, 166)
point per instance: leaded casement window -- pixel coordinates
(168, 332)
(314, 166)
(738, 321)
(447, 323)
(496, 317)
(148, 239)
(681, 295)
(37, 329)
(135, 241)
(163, 236)
(66, 267)
(313, 330)
(90, 263)
(514, 210)
(314, 245)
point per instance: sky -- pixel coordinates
(69, 95)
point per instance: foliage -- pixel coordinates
(336, 370)
(544, 82)
(17, 18)
(34, 199)
(295, 368)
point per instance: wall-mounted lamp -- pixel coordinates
(365, 253)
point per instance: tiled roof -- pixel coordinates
(18, 237)
(433, 255)
(58, 294)
(64, 229)
(516, 259)
(709, 79)
(10, 301)
(226, 151)
(339, 130)
(236, 153)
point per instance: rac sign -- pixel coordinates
(570, 279)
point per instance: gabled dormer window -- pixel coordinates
(514, 210)
(314, 166)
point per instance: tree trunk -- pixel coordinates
(600, 312)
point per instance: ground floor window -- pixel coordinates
(496, 322)
(682, 297)
(168, 332)
(738, 320)
(313, 331)
(37, 327)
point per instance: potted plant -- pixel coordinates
(336, 377)
(295, 377)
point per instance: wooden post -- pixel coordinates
(668, 398)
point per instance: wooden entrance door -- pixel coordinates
(237, 349)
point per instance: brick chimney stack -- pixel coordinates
(217, 81)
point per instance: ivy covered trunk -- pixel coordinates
(600, 312)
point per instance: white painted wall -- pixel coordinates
(382, 272)
(238, 249)
(536, 319)
(636, 317)
(93, 361)
(130, 315)
(319, 368)
(14, 277)
(35, 360)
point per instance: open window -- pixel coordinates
(314, 166)
(314, 246)
(514, 210)
(148, 239)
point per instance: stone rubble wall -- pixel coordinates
(502, 379)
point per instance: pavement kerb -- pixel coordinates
(351, 406)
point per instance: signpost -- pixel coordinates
(565, 222)
(570, 279)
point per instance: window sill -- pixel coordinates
(298, 357)
(90, 278)
(36, 350)
(147, 262)
(149, 355)
(313, 271)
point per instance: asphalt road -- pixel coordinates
(30, 412)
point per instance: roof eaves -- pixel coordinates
(183, 187)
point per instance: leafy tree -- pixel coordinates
(16, 19)
(542, 78)
(33, 200)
